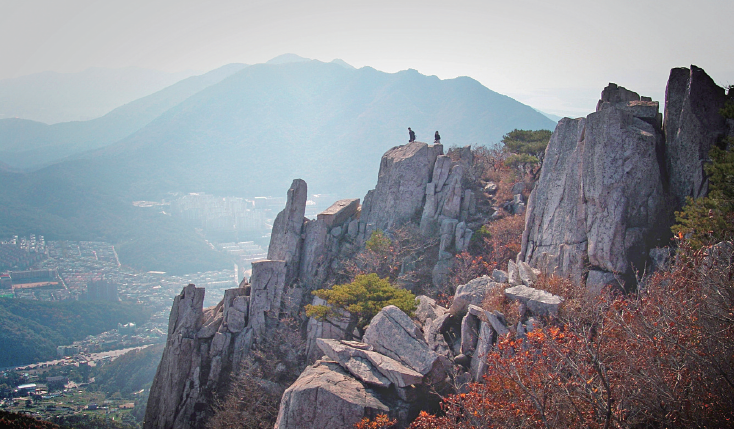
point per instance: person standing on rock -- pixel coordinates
(411, 134)
(437, 137)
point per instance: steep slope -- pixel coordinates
(52, 97)
(26, 144)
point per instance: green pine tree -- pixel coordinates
(363, 299)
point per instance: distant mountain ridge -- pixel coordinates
(249, 135)
(26, 144)
(52, 97)
(253, 132)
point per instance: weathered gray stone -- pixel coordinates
(484, 345)
(401, 185)
(433, 333)
(374, 368)
(660, 258)
(448, 228)
(314, 256)
(462, 237)
(469, 334)
(172, 399)
(692, 125)
(495, 319)
(339, 212)
(471, 293)
(428, 309)
(526, 273)
(268, 282)
(538, 301)
(500, 276)
(208, 330)
(440, 272)
(353, 229)
(518, 188)
(491, 188)
(598, 280)
(326, 397)
(285, 238)
(395, 335)
(331, 328)
(604, 199)
(236, 320)
(513, 273)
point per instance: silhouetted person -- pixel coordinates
(437, 137)
(411, 133)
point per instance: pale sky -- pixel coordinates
(553, 55)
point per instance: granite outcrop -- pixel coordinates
(611, 181)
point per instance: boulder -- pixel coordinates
(428, 309)
(539, 302)
(331, 328)
(471, 293)
(433, 332)
(285, 238)
(369, 366)
(513, 273)
(493, 318)
(597, 280)
(469, 334)
(500, 276)
(325, 397)
(392, 333)
(527, 276)
(484, 344)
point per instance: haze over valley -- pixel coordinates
(382, 215)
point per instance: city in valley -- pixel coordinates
(60, 271)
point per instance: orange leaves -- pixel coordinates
(382, 421)
(659, 358)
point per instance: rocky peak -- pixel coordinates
(617, 176)
(401, 185)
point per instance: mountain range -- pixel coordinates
(249, 134)
(52, 97)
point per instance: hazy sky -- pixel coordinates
(554, 55)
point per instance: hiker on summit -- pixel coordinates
(411, 133)
(437, 137)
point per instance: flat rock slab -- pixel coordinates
(339, 212)
(371, 367)
(538, 301)
(393, 334)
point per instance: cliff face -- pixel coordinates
(606, 195)
(611, 181)
(206, 347)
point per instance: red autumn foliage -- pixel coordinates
(382, 421)
(660, 358)
(492, 246)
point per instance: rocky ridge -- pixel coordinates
(612, 180)
(602, 204)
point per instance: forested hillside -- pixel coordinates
(31, 330)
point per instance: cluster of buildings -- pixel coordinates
(226, 214)
(22, 253)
